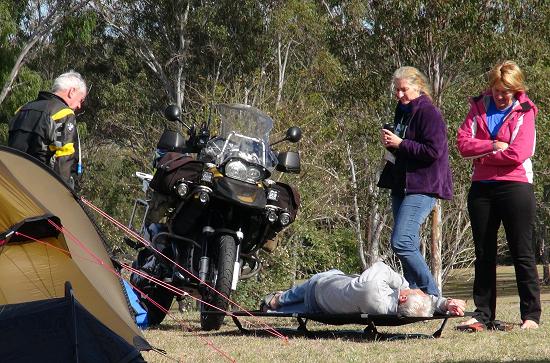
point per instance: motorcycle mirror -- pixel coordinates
(173, 113)
(293, 134)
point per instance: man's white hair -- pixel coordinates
(70, 79)
(416, 305)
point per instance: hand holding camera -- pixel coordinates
(389, 139)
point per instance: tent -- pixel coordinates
(59, 330)
(31, 194)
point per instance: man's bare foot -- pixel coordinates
(529, 324)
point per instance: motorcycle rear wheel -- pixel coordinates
(221, 276)
(162, 297)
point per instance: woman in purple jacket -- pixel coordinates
(417, 171)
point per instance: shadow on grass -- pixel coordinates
(358, 335)
(459, 284)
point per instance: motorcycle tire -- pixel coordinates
(221, 276)
(162, 297)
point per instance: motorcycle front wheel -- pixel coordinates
(220, 277)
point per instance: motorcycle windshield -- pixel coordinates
(244, 134)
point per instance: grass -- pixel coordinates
(453, 346)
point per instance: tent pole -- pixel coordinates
(70, 296)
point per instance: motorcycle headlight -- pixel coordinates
(236, 169)
(253, 174)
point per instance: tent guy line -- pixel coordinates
(146, 243)
(102, 263)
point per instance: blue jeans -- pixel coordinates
(409, 212)
(301, 298)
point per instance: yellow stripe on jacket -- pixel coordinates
(65, 150)
(62, 113)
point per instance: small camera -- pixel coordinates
(388, 126)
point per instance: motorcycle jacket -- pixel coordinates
(46, 129)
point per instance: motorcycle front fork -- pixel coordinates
(204, 262)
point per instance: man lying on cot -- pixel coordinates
(379, 290)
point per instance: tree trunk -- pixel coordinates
(544, 255)
(435, 261)
(282, 69)
(356, 214)
(376, 220)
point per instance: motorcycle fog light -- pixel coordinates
(271, 216)
(204, 197)
(182, 189)
(207, 177)
(273, 194)
(284, 219)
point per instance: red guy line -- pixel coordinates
(146, 243)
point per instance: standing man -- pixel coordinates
(46, 127)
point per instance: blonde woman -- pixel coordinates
(417, 171)
(498, 134)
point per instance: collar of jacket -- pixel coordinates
(44, 95)
(522, 103)
(419, 101)
(415, 104)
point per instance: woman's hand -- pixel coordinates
(500, 146)
(390, 140)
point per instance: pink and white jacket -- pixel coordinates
(518, 130)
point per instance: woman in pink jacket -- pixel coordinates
(499, 136)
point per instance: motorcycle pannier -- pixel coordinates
(172, 168)
(287, 199)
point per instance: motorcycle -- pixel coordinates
(219, 208)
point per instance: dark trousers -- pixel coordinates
(513, 204)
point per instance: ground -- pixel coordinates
(495, 346)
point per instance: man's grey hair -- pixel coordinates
(70, 79)
(416, 305)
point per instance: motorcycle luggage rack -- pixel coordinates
(139, 204)
(174, 236)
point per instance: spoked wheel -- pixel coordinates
(220, 277)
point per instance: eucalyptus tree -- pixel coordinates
(187, 44)
(24, 25)
(454, 43)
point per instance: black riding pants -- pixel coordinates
(513, 204)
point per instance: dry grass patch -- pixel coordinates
(517, 345)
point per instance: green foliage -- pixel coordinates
(341, 55)
(10, 16)
(30, 82)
